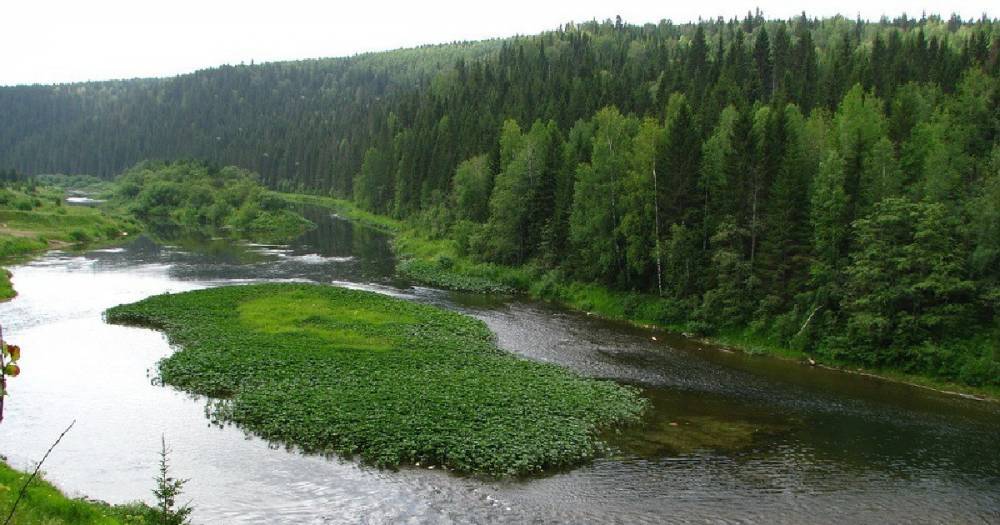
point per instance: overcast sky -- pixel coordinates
(45, 41)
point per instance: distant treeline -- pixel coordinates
(828, 184)
(309, 124)
(12, 175)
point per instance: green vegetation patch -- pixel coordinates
(43, 504)
(189, 196)
(340, 326)
(441, 275)
(6, 287)
(34, 218)
(345, 209)
(338, 370)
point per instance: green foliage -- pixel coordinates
(725, 166)
(79, 236)
(597, 205)
(443, 276)
(193, 196)
(472, 186)
(725, 304)
(86, 184)
(6, 287)
(641, 214)
(907, 285)
(26, 228)
(373, 185)
(167, 491)
(831, 229)
(521, 199)
(15, 246)
(392, 381)
(348, 210)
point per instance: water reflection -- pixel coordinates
(730, 437)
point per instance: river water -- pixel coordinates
(730, 437)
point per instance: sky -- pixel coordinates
(48, 41)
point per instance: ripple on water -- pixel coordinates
(756, 440)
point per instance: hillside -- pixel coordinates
(826, 185)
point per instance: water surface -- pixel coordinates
(730, 438)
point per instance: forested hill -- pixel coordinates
(296, 121)
(831, 185)
(308, 124)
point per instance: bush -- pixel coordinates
(444, 262)
(188, 196)
(79, 236)
(549, 286)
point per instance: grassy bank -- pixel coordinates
(35, 218)
(346, 209)
(43, 504)
(394, 382)
(438, 262)
(435, 262)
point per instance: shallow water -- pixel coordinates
(731, 437)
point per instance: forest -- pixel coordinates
(831, 185)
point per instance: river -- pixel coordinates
(730, 437)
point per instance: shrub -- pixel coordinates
(79, 236)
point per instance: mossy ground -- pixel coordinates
(394, 382)
(43, 504)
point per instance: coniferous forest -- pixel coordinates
(826, 184)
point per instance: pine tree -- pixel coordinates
(907, 283)
(763, 84)
(167, 491)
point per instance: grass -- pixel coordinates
(43, 504)
(346, 209)
(394, 382)
(34, 219)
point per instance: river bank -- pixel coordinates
(44, 504)
(729, 436)
(438, 262)
(35, 219)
